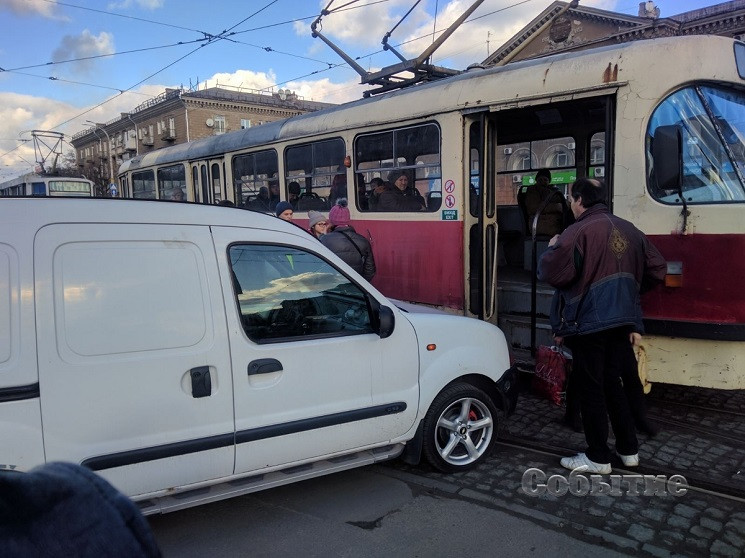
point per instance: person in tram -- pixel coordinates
(178, 195)
(377, 187)
(293, 191)
(338, 185)
(273, 192)
(552, 218)
(402, 196)
(346, 243)
(318, 224)
(598, 266)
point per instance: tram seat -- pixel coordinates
(434, 200)
(313, 201)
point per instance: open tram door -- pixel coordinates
(480, 218)
(207, 180)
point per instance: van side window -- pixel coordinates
(284, 293)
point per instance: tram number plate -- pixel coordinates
(449, 214)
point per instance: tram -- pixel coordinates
(36, 184)
(662, 121)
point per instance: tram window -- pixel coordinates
(319, 169)
(288, 294)
(169, 180)
(251, 175)
(414, 150)
(216, 182)
(713, 154)
(38, 189)
(143, 185)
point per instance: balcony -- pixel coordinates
(168, 135)
(130, 144)
(147, 140)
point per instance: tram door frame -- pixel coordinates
(204, 187)
(480, 234)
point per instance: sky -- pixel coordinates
(62, 63)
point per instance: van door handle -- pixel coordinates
(201, 382)
(264, 366)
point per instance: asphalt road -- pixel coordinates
(372, 511)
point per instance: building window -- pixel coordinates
(245, 123)
(219, 124)
(172, 127)
(159, 127)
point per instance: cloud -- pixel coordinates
(82, 46)
(30, 8)
(126, 4)
(19, 114)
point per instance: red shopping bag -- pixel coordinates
(550, 373)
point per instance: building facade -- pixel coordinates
(177, 116)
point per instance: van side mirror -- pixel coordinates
(667, 150)
(386, 322)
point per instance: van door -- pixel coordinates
(311, 377)
(134, 365)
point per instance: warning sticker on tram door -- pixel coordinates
(449, 186)
(450, 201)
(449, 214)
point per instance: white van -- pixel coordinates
(190, 353)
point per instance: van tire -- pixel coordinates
(460, 428)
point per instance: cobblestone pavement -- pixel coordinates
(695, 524)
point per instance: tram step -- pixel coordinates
(516, 329)
(514, 298)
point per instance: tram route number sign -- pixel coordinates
(449, 214)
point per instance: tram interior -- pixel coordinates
(567, 138)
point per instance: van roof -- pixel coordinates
(42, 211)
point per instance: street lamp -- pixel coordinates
(111, 154)
(137, 133)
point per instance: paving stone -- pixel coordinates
(641, 533)
(734, 540)
(685, 511)
(655, 550)
(672, 536)
(715, 513)
(712, 524)
(702, 532)
(719, 548)
(655, 515)
(679, 522)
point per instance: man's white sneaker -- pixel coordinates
(584, 465)
(630, 460)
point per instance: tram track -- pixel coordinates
(705, 409)
(733, 440)
(696, 483)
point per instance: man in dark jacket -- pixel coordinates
(598, 266)
(400, 196)
(344, 241)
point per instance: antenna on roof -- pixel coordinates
(388, 78)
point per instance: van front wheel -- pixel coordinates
(459, 428)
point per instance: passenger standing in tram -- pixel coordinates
(293, 191)
(599, 266)
(346, 243)
(402, 196)
(554, 216)
(317, 224)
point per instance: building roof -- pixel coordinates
(726, 18)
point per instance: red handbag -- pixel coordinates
(550, 373)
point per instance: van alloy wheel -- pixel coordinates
(460, 428)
